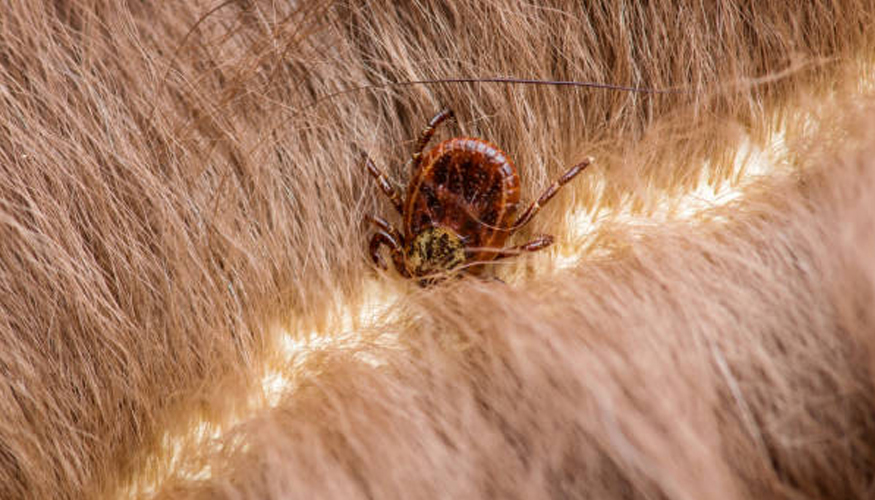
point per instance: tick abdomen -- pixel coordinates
(465, 184)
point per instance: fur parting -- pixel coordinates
(177, 179)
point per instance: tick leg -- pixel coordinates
(389, 236)
(549, 193)
(388, 188)
(427, 134)
(379, 239)
(385, 227)
(539, 243)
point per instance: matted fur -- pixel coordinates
(169, 194)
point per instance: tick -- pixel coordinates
(459, 209)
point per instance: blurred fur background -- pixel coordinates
(171, 199)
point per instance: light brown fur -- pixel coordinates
(168, 194)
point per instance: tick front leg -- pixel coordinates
(539, 243)
(387, 187)
(387, 235)
(379, 239)
(549, 193)
(427, 134)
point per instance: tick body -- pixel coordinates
(459, 208)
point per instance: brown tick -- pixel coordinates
(459, 209)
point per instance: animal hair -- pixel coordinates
(175, 211)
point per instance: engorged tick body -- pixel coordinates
(459, 209)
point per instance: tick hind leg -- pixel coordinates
(428, 132)
(386, 235)
(389, 189)
(549, 193)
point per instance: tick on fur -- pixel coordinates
(459, 208)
